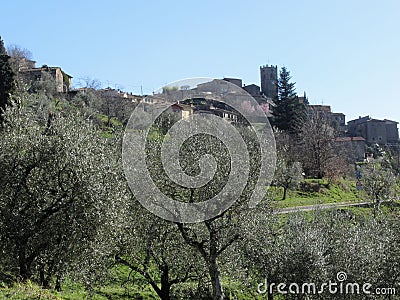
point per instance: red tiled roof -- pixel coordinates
(349, 138)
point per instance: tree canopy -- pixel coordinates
(287, 109)
(7, 77)
(60, 192)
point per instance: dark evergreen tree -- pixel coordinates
(287, 110)
(7, 77)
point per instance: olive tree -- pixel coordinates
(315, 248)
(60, 194)
(218, 167)
(155, 252)
(211, 238)
(377, 182)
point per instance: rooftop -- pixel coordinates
(349, 139)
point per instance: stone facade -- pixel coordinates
(235, 81)
(269, 81)
(62, 80)
(339, 123)
(22, 63)
(252, 89)
(374, 131)
(392, 132)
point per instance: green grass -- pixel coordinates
(110, 290)
(316, 191)
(28, 290)
(387, 210)
(119, 285)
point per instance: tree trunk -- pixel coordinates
(284, 192)
(270, 296)
(218, 293)
(165, 284)
(58, 283)
(163, 293)
(376, 206)
(24, 270)
(41, 275)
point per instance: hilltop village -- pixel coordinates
(357, 134)
(93, 181)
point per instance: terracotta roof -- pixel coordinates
(349, 138)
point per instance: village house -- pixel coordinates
(182, 111)
(337, 120)
(62, 79)
(374, 131)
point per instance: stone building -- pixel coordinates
(269, 81)
(255, 91)
(182, 111)
(62, 80)
(321, 110)
(337, 120)
(252, 89)
(374, 131)
(235, 81)
(392, 132)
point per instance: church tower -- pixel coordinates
(269, 81)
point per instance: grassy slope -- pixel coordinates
(119, 285)
(341, 191)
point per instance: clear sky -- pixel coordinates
(344, 53)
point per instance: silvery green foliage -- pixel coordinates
(378, 183)
(315, 248)
(288, 252)
(61, 197)
(157, 255)
(208, 241)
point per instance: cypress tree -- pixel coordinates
(287, 110)
(7, 77)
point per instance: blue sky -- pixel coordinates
(344, 53)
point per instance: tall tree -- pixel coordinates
(59, 194)
(20, 57)
(212, 239)
(287, 109)
(7, 77)
(378, 183)
(315, 144)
